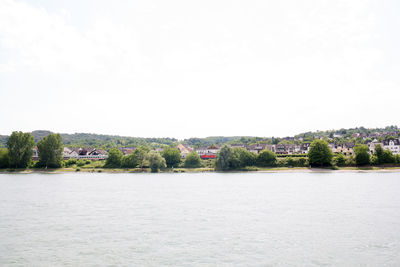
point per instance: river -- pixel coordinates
(200, 219)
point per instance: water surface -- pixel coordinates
(206, 219)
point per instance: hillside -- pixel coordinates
(108, 141)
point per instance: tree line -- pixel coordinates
(19, 151)
(142, 157)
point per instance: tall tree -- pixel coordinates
(320, 154)
(4, 158)
(172, 156)
(114, 158)
(223, 159)
(156, 161)
(362, 154)
(141, 155)
(20, 149)
(50, 150)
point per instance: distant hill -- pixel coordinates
(108, 141)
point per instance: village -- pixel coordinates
(210, 152)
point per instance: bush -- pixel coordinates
(192, 160)
(339, 160)
(70, 162)
(266, 158)
(80, 163)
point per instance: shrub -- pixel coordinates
(266, 158)
(192, 160)
(339, 160)
(80, 163)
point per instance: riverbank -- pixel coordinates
(203, 170)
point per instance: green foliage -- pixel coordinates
(130, 161)
(320, 154)
(4, 158)
(397, 159)
(80, 163)
(114, 159)
(156, 161)
(291, 162)
(70, 162)
(350, 160)
(378, 155)
(192, 160)
(223, 158)
(246, 158)
(20, 149)
(339, 160)
(362, 155)
(50, 150)
(266, 158)
(383, 156)
(141, 155)
(172, 156)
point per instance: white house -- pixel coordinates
(392, 145)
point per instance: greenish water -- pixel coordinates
(204, 219)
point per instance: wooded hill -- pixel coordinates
(108, 141)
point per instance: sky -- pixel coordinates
(183, 69)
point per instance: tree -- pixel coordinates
(246, 158)
(192, 160)
(141, 155)
(114, 159)
(4, 158)
(223, 158)
(378, 153)
(320, 154)
(156, 161)
(172, 156)
(130, 161)
(339, 160)
(50, 150)
(362, 154)
(266, 158)
(20, 149)
(388, 157)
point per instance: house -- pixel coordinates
(304, 148)
(208, 152)
(372, 146)
(345, 149)
(84, 153)
(184, 150)
(281, 149)
(256, 148)
(393, 145)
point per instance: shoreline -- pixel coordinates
(204, 170)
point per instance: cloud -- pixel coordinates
(277, 67)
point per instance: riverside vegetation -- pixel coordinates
(18, 155)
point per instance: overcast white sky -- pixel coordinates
(182, 68)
